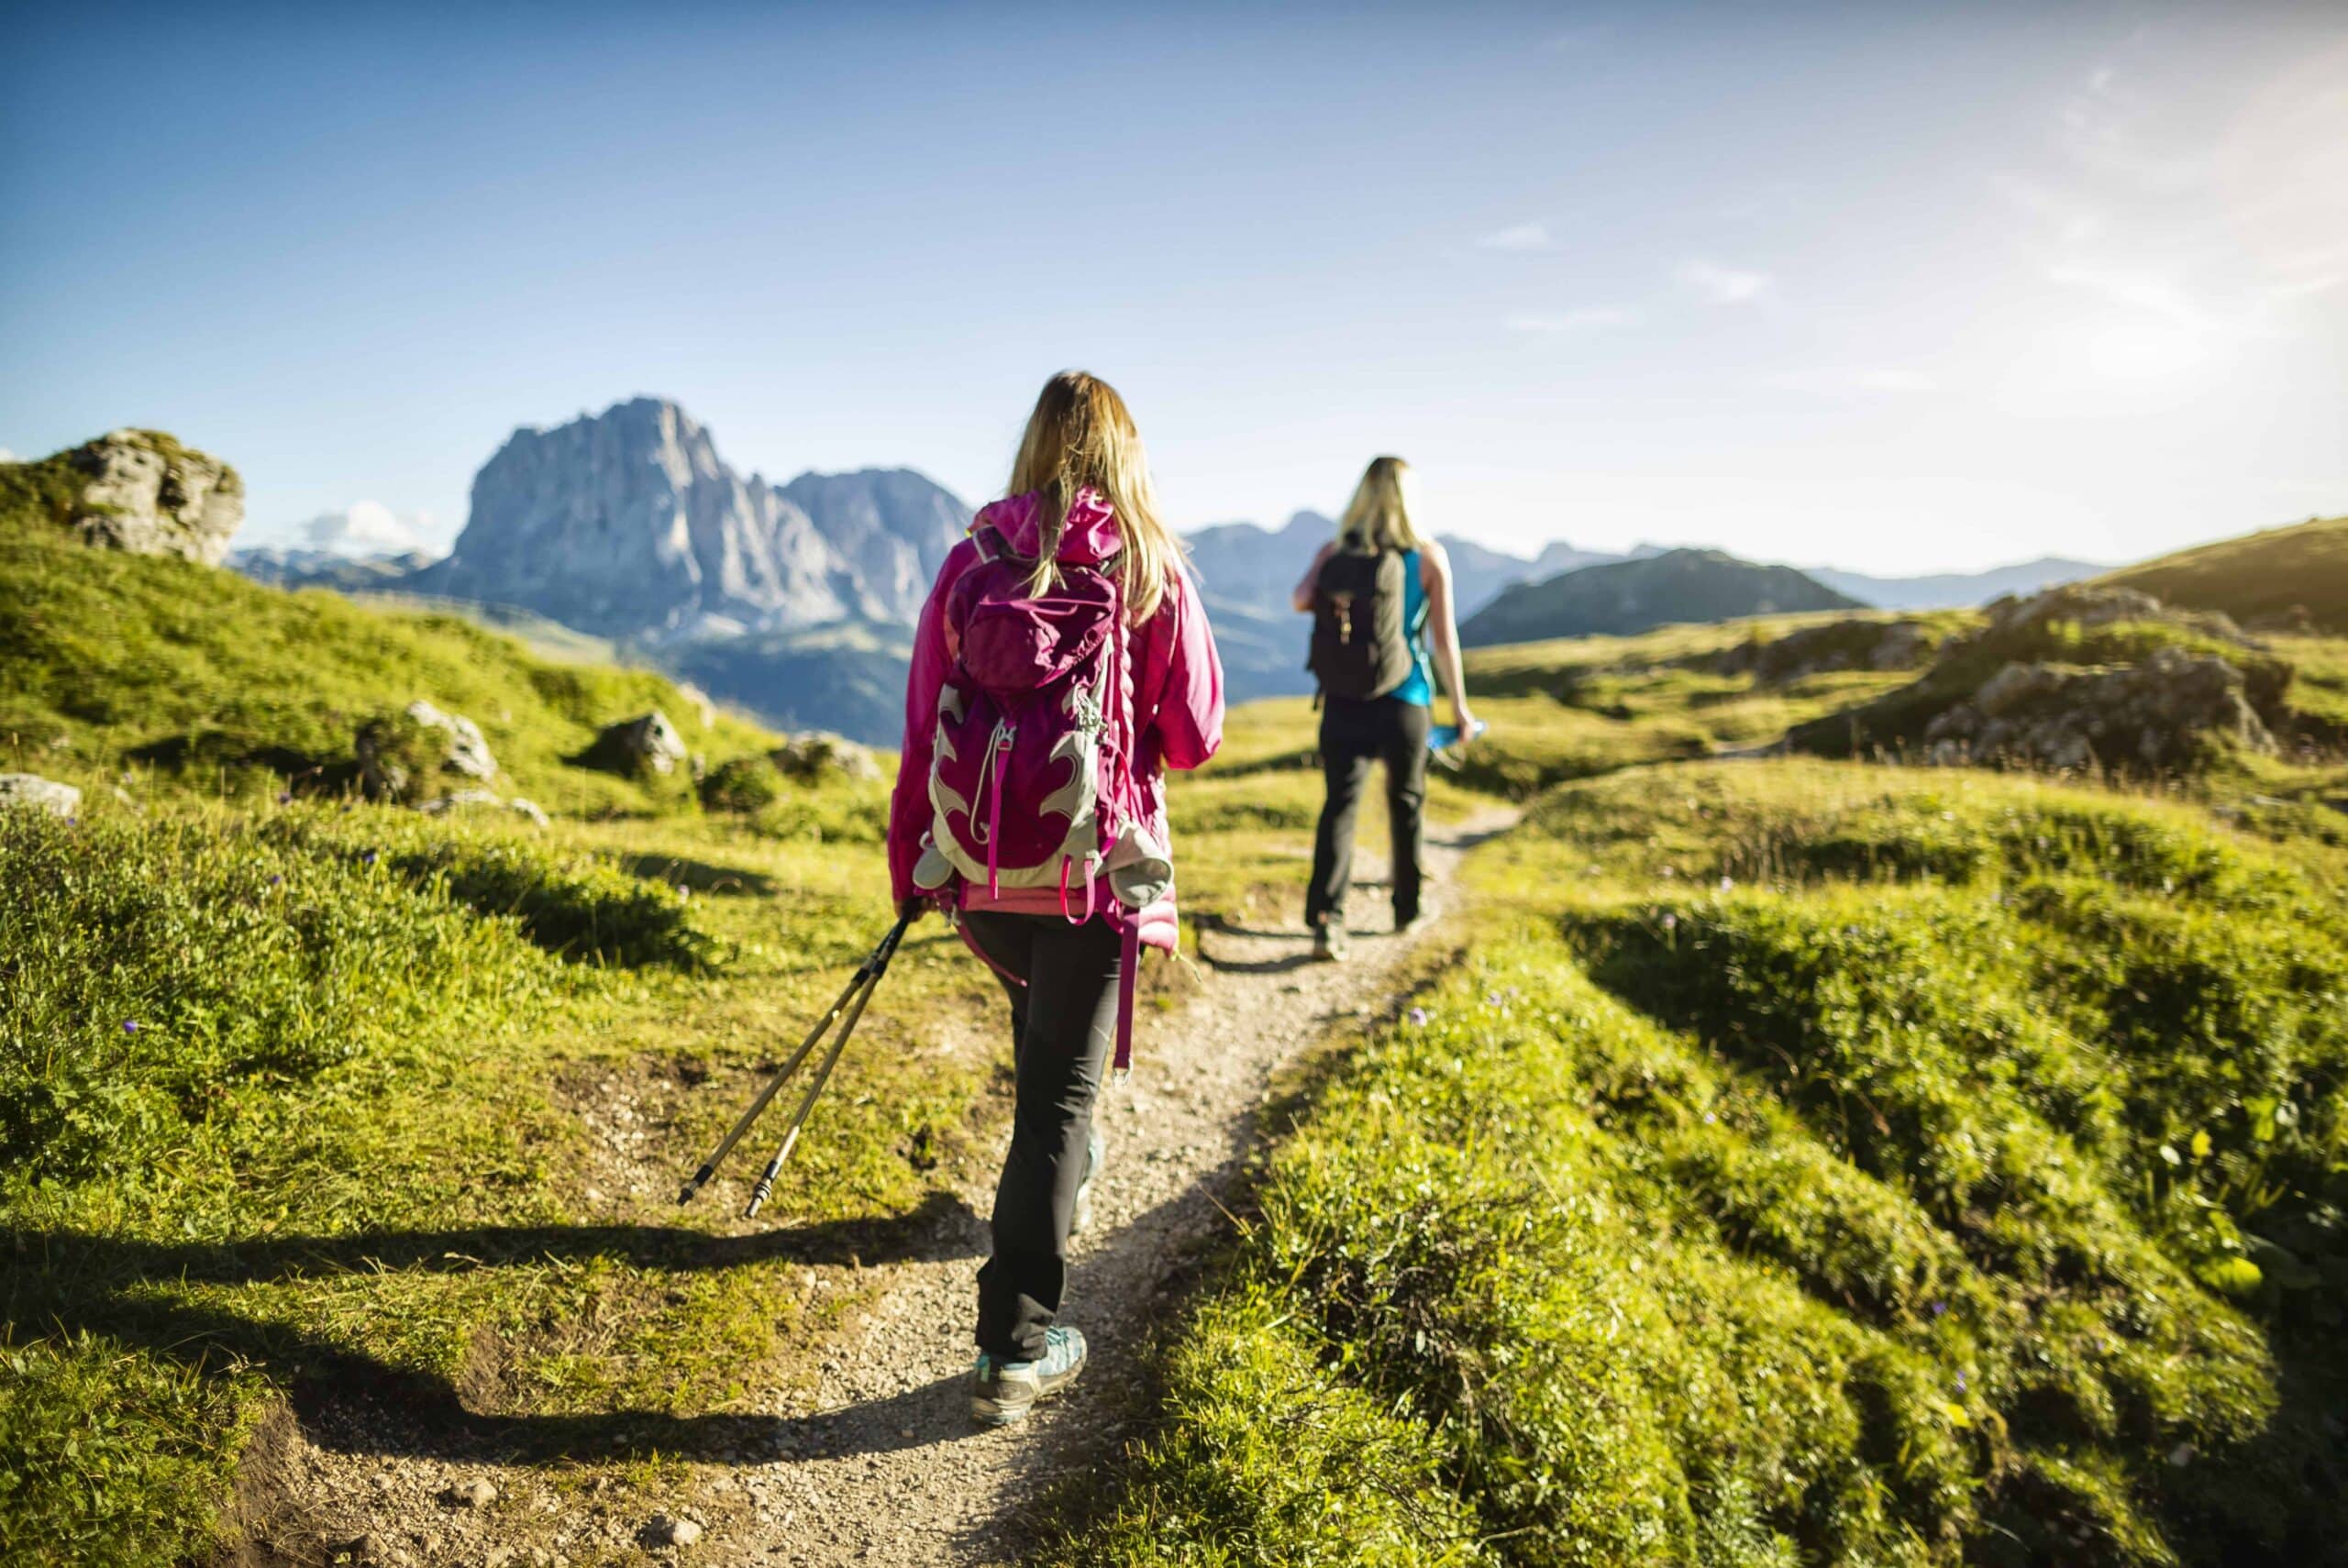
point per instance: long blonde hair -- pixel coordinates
(1378, 516)
(1081, 437)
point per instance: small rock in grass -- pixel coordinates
(476, 1493)
(666, 1532)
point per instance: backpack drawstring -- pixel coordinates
(990, 771)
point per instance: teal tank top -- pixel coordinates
(1417, 687)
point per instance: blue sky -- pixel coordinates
(1895, 288)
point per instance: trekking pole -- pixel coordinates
(864, 972)
(879, 965)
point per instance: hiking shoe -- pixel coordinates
(1095, 1151)
(1415, 924)
(1003, 1392)
(1329, 943)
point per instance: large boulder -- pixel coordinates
(643, 745)
(32, 793)
(400, 754)
(143, 492)
(813, 755)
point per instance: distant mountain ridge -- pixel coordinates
(1621, 598)
(1956, 591)
(297, 567)
(628, 523)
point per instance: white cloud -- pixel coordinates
(1517, 237)
(1887, 380)
(8, 457)
(366, 528)
(1559, 321)
(1723, 285)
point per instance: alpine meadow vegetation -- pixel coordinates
(1781, 1161)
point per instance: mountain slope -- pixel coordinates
(628, 523)
(1622, 597)
(1955, 590)
(2260, 580)
(111, 661)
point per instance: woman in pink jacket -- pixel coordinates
(1081, 511)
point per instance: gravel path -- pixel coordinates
(886, 1468)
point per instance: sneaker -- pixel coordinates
(1415, 924)
(1329, 943)
(1003, 1392)
(1095, 1151)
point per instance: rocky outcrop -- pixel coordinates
(30, 791)
(814, 756)
(629, 524)
(2079, 678)
(2160, 715)
(1837, 645)
(648, 743)
(399, 753)
(139, 491)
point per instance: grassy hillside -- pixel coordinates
(118, 669)
(272, 1058)
(1801, 1165)
(326, 1110)
(1624, 597)
(1580, 707)
(2280, 580)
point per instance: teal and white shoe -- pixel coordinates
(1003, 1392)
(1095, 1151)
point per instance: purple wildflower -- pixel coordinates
(1939, 1308)
(1960, 1383)
(1418, 1018)
(130, 1026)
(275, 879)
(285, 797)
(1671, 921)
(367, 858)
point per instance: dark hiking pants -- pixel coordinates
(1063, 1021)
(1353, 734)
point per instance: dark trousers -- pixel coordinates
(1063, 1021)
(1352, 736)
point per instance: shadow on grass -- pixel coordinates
(61, 1282)
(698, 874)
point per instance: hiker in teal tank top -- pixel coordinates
(1376, 695)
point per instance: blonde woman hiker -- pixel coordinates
(1062, 663)
(1379, 593)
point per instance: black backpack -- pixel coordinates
(1360, 648)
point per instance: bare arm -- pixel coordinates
(1442, 631)
(1302, 596)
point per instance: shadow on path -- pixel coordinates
(62, 1282)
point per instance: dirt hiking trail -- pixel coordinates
(884, 1467)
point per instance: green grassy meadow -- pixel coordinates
(1786, 1162)
(1800, 1163)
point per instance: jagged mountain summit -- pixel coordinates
(628, 523)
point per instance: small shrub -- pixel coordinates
(744, 785)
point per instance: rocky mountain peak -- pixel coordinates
(629, 523)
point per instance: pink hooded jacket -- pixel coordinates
(1178, 697)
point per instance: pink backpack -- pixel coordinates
(1031, 780)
